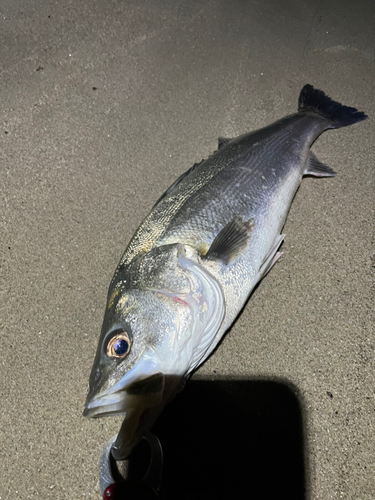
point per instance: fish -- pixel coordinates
(195, 259)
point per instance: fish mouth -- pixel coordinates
(143, 393)
(141, 402)
(105, 406)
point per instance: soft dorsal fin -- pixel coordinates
(222, 141)
(317, 168)
(231, 240)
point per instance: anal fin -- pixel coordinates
(317, 168)
(231, 240)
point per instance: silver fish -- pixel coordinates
(194, 260)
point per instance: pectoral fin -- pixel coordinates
(231, 240)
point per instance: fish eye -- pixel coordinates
(119, 345)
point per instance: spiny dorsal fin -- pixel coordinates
(177, 181)
(231, 240)
(317, 168)
(222, 141)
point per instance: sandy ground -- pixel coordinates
(105, 103)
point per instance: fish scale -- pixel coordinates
(250, 165)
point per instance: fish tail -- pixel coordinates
(314, 100)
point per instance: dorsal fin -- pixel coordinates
(177, 181)
(222, 141)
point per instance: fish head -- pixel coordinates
(161, 312)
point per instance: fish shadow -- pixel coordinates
(233, 439)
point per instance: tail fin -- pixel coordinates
(314, 100)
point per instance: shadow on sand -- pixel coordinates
(233, 439)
